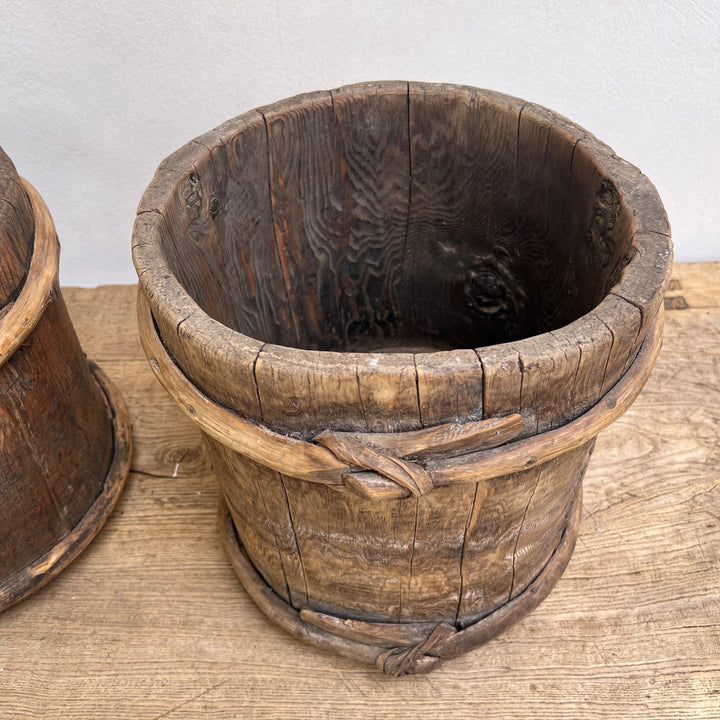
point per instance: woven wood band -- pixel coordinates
(399, 648)
(374, 465)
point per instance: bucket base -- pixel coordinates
(397, 648)
(33, 576)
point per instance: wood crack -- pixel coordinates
(632, 302)
(640, 325)
(609, 354)
(575, 375)
(255, 383)
(483, 382)
(417, 392)
(516, 178)
(521, 367)
(34, 448)
(159, 476)
(294, 536)
(185, 319)
(360, 398)
(572, 159)
(192, 699)
(473, 515)
(268, 514)
(412, 554)
(405, 258)
(517, 538)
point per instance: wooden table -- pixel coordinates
(151, 622)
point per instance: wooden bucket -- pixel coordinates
(400, 313)
(64, 432)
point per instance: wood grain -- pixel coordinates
(17, 230)
(400, 218)
(151, 622)
(405, 217)
(49, 436)
(64, 437)
(463, 150)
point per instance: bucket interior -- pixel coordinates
(396, 218)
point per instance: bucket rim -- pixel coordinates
(641, 286)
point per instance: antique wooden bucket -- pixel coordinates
(400, 313)
(64, 431)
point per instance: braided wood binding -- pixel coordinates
(342, 460)
(398, 648)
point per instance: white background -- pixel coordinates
(94, 95)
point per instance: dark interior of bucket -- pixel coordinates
(396, 219)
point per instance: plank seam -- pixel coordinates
(295, 537)
(274, 226)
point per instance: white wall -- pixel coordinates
(94, 95)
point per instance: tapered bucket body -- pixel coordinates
(64, 431)
(401, 314)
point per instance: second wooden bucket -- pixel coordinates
(401, 314)
(65, 439)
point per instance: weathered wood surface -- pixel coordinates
(399, 220)
(151, 621)
(400, 215)
(443, 557)
(64, 440)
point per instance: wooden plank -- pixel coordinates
(450, 387)
(192, 236)
(150, 621)
(488, 578)
(371, 142)
(463, 160)
(389, 392)
(602, 225)
(435, 580)
(340, 571)
(179, 318)
(296, 394)
(302, 175)
(339, 174)
(245, 496)
(546, 514)
(245, 237)
(502, 378)
(548, 229)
